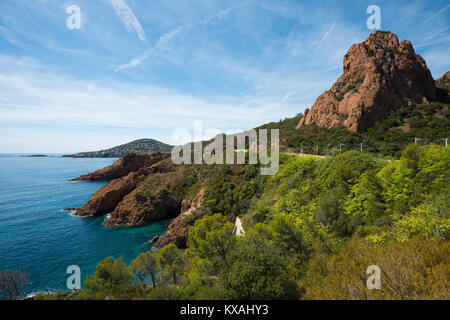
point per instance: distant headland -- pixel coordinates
(137, 146)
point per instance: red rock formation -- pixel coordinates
(443, 81)
(379, 74)
(178, 229)
(131, 162)
(108, 197)
(177, 233)
(131, 212)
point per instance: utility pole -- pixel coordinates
(361, 147)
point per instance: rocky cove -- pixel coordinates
(145, 188)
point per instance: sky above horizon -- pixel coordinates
(142, 69)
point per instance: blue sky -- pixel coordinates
(140, 68)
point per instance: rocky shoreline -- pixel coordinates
(131, 162)
(120, 197)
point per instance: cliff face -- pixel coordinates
(109, 196)
(380, 74)
(142, 205)
(178, 230)
(131, 162)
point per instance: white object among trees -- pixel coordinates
(238, 228)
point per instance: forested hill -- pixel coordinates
(136, 146)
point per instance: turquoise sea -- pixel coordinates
(38, 238)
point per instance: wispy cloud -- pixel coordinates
(160, 45)
(434, 41)
(38, 97)
(436, 14)
(8, 35)
(430, 38)
(326, 34)
(128, 18)
(163, 41)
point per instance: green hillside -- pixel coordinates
(428, 122)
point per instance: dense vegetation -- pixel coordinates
(312, 230)
(429, 122)
(136, 146)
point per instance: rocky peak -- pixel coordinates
(379, 74)
(444, 81)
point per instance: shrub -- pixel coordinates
(413, 269)
(163, 293)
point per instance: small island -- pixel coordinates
(35, 156)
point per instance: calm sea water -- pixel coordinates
(36, 237)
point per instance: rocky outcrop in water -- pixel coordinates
(153, 193)
(131, 162)
(131, 211)
(109, 196)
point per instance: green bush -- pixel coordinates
(163, 293)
